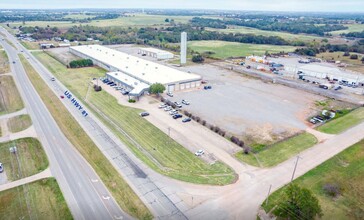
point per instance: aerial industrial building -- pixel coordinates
(156, 53)
(134, 72)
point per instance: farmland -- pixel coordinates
(10, 100)
(284, 35)
(223, 50)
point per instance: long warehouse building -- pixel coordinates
(134, 71)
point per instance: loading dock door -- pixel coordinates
(181, 86)
(170, 88)
(188, 85)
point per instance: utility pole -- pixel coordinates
(266, 201)
(295, 167)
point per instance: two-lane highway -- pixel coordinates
(86, 195)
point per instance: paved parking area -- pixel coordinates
(245, 106)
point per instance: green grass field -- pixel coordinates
(284, 35)
(10, 100)
(183, 165)
(223, 49)
(121, 191)
(347, 171)
(19, 123)
(4, 62)
(141, 20)
(352, 28)
(341, 124)
(42, 199)
(30, 158)
(279, 152)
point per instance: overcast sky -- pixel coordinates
(261, 5)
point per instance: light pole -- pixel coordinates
(295, 167)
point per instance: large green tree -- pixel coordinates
(298, 203)
(157, 88)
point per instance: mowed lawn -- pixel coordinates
(4, 62)
(284, 35)
(10, 100)
(30, 158)
(19, 123)
(346, 170)
(176, 161)
(141, 20)
(279, 152)
(121, 191)
(223, 49)
(42, 199)
(341, 124)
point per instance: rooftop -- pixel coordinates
(154, 50)
(147, 71)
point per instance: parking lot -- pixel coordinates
(248, 107)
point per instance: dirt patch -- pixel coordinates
(62, 54)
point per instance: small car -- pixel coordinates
(170, 94)
(186, 120)
(143, 114)
(176, 116)
(199, 153)
(62, 97)
(53, 79)
(1, 168)
(185, 102)
(162, 106)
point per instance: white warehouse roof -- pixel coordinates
(147, 71)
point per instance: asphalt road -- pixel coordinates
(85, 194)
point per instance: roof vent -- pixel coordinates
(127, 67)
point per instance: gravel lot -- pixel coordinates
(245, 106)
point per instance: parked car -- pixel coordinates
(53, 79)
(178, 104)
(173, 112)
(143, 114)
(62, 97)
(124, 92)
(313, 121)
(199, 153)
(1, 168)
(338, 88)
(162, 106)
(185, 102)
(168, 108)
(176, 116)
(170, 94)
(207, 87)
(186, 120)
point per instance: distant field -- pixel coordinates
(10, 100)
(42, 199)
(132, 20)
(355, 65)
(352, 28)
(223, 49)
(284, 35)
(79, 16)
(29, 160)
(346, 170)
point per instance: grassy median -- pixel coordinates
(121, 191)
(343, 123)
(279, 152)
(29, 159)
(38, 200)
(159, 151)
(19, 123)
(10, 100)
(345, 173)
(4, 62)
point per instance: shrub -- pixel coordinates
(193, 117)
(197, 58)
(332, 190)
(198, 119)
(354, 56)
(346, 54)
(186, 113)
(203, 122)
(233, 139)
(163, 99)
(241, 144)
(217, 129)
(81, 63)
(222, 133)
(97, 88)
(212, 127)
(131, 101)
(247, 150)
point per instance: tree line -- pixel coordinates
(81, 63)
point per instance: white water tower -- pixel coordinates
(183, 48)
